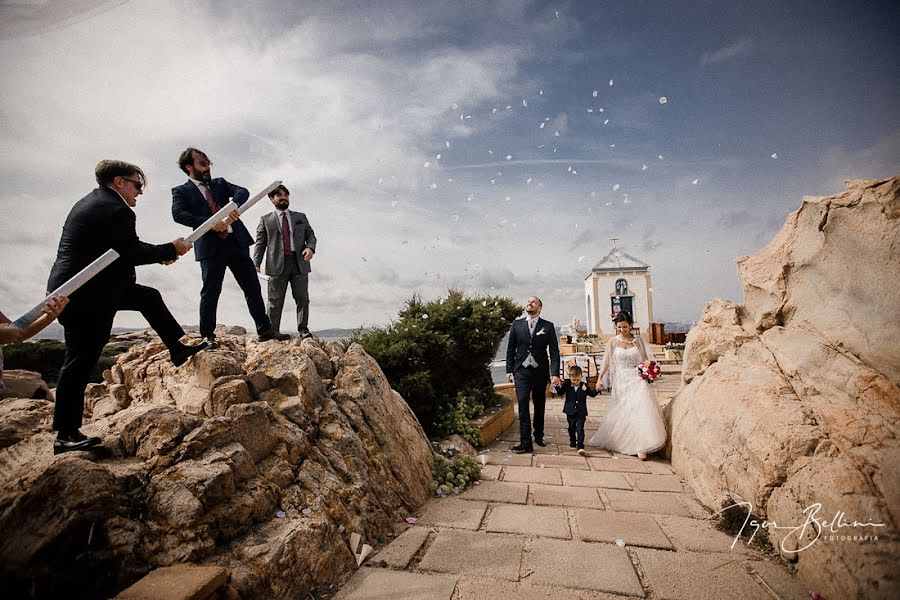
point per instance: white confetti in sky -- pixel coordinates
(663, 99)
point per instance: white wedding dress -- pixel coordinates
(633, 422)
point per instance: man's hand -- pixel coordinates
(54, 306)
(232, 217)
(181, 246)
(555, 380)
(220, 226)
(307, 254)
(509, 377)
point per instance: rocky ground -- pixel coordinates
(263, 458)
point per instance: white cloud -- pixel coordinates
(732, 51)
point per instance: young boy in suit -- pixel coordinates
(576, 392)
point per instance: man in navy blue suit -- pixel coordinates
(226, 246)
(531, 340)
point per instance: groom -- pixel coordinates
(531, 339)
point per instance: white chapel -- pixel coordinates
(618, 282)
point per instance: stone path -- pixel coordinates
(558, 525)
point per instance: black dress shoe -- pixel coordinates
(271, 334)
(540, 442)
(73, 442)
(211, 342)
(522, 448)
(181, 354)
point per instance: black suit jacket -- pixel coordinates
(576, 397)
(542, 343)
(100, 221)
(190, 208)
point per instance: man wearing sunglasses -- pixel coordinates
(102, 220)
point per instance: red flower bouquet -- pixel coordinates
(649, 370)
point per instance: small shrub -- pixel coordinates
(437, 356)
(454, 475)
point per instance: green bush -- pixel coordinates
(451, 476)
(437, 355)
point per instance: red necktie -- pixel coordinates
(213, 208)
(285, 233)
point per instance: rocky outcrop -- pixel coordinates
(791, 400)
(259, 457)
(19, 383)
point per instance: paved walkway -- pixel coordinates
(558, 525)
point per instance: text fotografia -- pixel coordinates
(813, 526)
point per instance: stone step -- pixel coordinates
(178, 582)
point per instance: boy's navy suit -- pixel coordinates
(575, 408)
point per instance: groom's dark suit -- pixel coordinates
(532, 381)
(100, 221)
(215, 254)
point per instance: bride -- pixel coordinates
(633, 423)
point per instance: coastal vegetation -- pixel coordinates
(437, 353)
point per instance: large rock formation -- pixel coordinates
(791, 400)
(260, 457)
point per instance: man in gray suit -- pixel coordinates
(289, 243)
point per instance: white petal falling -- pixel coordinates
(541, 93)
(611, 83)
(601, 109)
(393, 203)
(774, 155)
(541, 146)
(427, 164)
(569, 169)
(468, 116)
(493, 181)
(509, 157)
(612, 145)
(627, 200)
(580, 258)
(528, 180)
(524, 103)
(574, 172)
(509, 107)
(695, 182)
(595, 93)
(493, 111)
(437, 157)
(454, 106)
(593, 194)
(660, 157)
(449, 180)
(556, 133)
(590, 110)
(606, 121)
(542, 125)
(433, 186)
(644, 167)
(663, 99)
(508, 198)
(555, 150)
(491, 152)
(447, 143)
(616, 187)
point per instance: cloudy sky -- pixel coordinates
(491, 146)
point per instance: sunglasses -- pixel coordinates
(138, 185)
